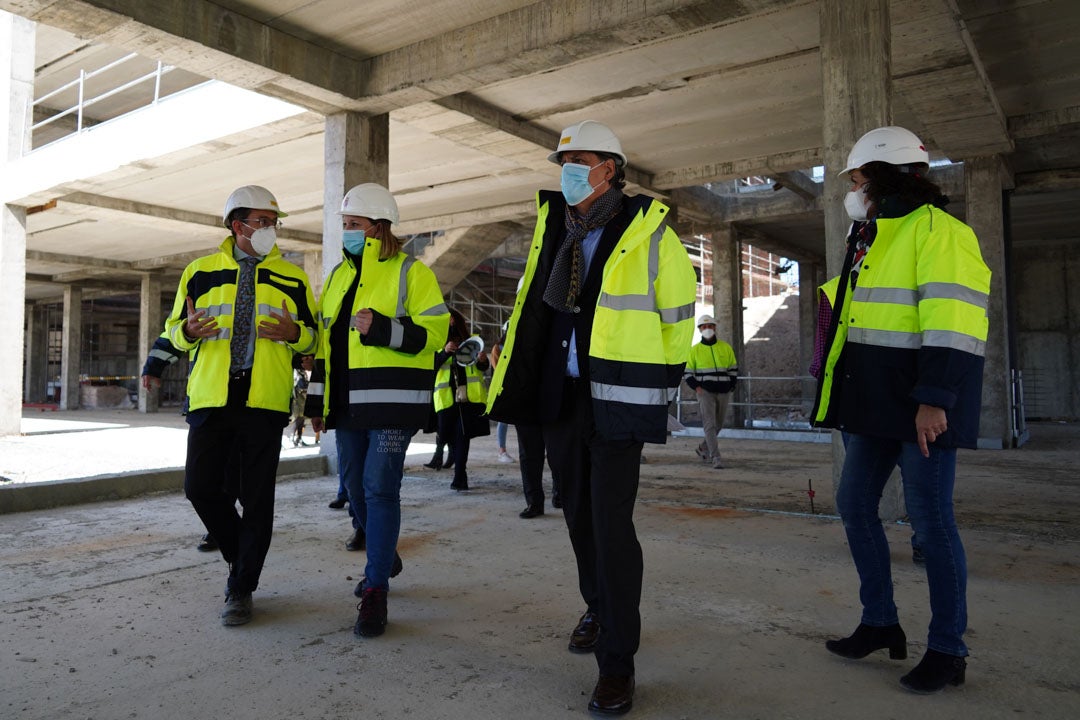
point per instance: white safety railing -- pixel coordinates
(84, 102)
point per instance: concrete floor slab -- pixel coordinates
(108, 610)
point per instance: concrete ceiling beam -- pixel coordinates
(1046, 181)
(747, 167)
(513, 212)
(453, 256)
(797, 182)
(209, 40)
(104, 208)
(1046, 123)
(937, 69)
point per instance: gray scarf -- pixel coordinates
(567, 273)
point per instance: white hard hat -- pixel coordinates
(706, 320)
(468, 351)
(893, 145)
(370, 200)
(591, 136)
(252, 197)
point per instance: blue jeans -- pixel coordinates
(500, 435)
(928, 490)
(371, 462)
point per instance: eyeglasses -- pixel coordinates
(261, 222)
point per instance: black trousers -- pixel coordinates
(254, 438)
(598, 481)
(531, 461)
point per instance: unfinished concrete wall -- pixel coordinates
(1048, 328)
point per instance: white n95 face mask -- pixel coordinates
(708, 334)
(263, 239)
(855, 203)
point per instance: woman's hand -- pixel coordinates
(317, 424)
(363, 319)
(930, 423)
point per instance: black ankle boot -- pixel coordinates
(436, 460)
(867, 638)
(934, 672)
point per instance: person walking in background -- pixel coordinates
(531, 455)
(500, 438)
(242, 313)
(460, 395)
(302, 365)
(594, 353)
(711, 372)
(903, 378)
(384, 317)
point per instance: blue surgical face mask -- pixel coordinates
(575, 182)
(354, 240)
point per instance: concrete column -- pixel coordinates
(738, 336)
(725, 282)
(151, 325)
(356, 150)
(34, 380)
(314, 270)
(71, 350)
(856, 76)
(982, 194)
(17, 37)
(808, 308)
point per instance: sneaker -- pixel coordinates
(371, 621)
(237, 609)
(717, 464)
(504, 457)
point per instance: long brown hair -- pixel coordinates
(391, 245)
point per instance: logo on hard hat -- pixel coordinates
(567, 139)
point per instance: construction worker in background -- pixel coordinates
(242, 312)
(711, 372)
(598, 338)
(903, 379)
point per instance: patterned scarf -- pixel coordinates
(567, 273)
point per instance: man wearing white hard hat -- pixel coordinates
(242, 313)
(595, 351)
(383, 319)
(711, 372)
(902, 377)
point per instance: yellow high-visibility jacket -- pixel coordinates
(641, 329)
(712, 367)
(476, 387)
(210, 282)
(912, 331)
(389, 372)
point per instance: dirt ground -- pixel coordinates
(109, 612)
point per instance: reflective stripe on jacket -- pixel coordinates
(390, 370)
(913, 331)
(712, 367)
(641, 330)
(210, 282)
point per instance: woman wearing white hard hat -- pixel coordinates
(383, 318)
(460, 395)
(598, 338)
(903, 379)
